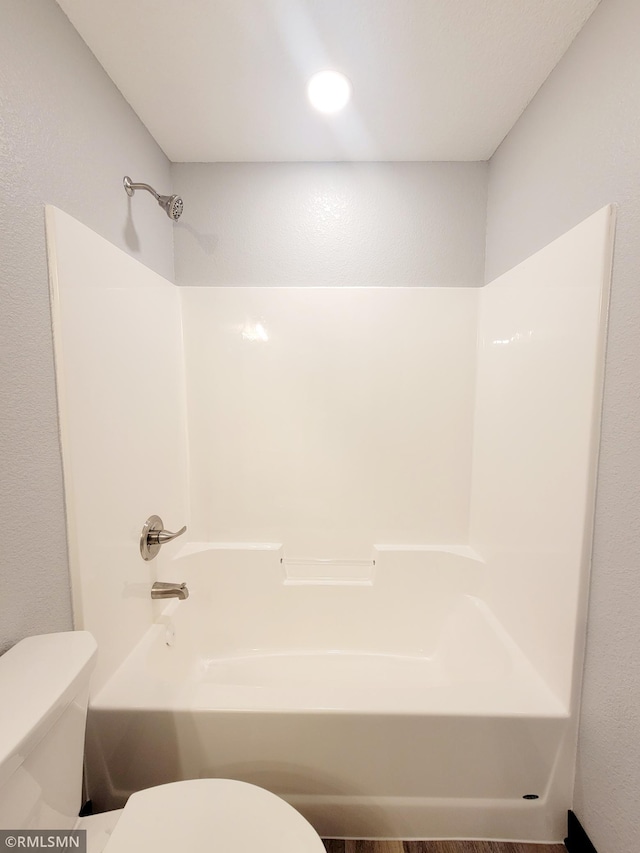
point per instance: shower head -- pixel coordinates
(171, 204)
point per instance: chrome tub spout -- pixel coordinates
(169, 590)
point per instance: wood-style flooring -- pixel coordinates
(351, 846)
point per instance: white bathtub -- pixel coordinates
(381, 700)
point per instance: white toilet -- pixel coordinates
(44, 685)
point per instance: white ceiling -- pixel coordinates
(225, 80)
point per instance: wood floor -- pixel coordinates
(339, 846)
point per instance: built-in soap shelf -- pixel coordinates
(299, 572)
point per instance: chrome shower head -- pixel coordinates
(171, 204)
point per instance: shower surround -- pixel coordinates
(389, 495)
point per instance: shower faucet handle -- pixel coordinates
(154, 535)
(162, 536)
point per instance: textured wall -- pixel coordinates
(335, 224)
(575, 149)
(66, 137)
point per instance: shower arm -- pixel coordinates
(130, 188)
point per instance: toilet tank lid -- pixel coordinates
(39, 677)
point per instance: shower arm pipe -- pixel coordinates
(130, 187)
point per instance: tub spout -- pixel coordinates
(169, 590)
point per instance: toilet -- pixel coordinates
(44, 684)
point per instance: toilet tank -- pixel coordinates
(44, 690)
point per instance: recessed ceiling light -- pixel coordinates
(329, 91)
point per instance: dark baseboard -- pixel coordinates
(86, 810)
(577, 840)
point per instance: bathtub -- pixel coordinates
(381, 698)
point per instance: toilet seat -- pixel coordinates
(205, 815)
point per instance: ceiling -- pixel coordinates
(225, 80)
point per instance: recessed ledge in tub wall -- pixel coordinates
(331, 571)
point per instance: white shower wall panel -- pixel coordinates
(541, 339)
(330, 419)
(119, 370)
